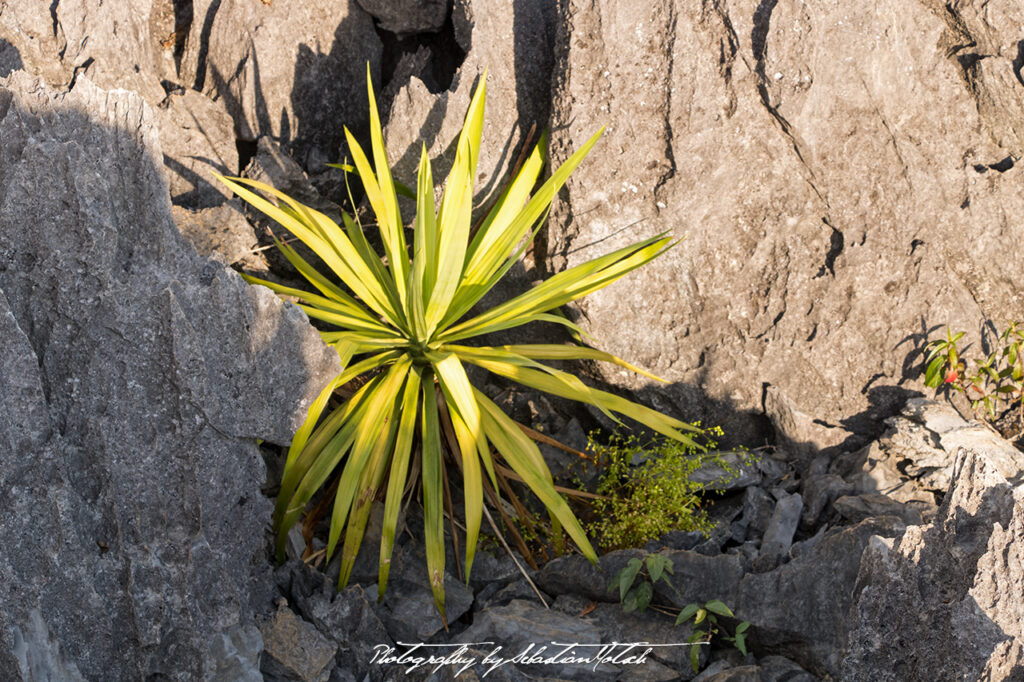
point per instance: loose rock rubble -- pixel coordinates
(830, 599)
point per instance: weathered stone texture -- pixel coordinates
(138, 379)
(295, 71)
(830, 208)
(946, 596)
(514, 43)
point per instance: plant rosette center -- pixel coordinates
(418, 351)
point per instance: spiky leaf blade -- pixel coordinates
(433, 495)
(397, 477)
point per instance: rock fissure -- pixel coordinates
(669, 172)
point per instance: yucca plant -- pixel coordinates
(400, 325)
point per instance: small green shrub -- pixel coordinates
(996, 383)
(635, 585)
(643, 502)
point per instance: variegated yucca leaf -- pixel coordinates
(399, 319)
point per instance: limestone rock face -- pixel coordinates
(135, 380)
(514, 42)
(119, 44)
(947, 595)
(293, 70)
(831, 211)
(215, 70)
(408, 16)
(133, 46)
(799, 609)
(197, 136)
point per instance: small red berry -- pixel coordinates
(951, 376)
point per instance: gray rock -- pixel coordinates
(781, 669)
(775, 468)
(295, 545)
(617, 626)
(567, 466)
(118, 45)
(38, 653)
(677, 539)
(10, 59)
(221, 233)
(34, 44)
(950, 431)
(235, 69)
(1000, 453)
(778, 537)
(295, 650)
(495, 567)
(198, 138)
(133, 46)
(742, 673)
(856, 508)
(340, 674)
(717, 477)
(366, 568)
(738, 532)
(935, 416)
(408, 609)
(520, 625)
(573, 574)
(818, 466)
(699, 578)
(497, 594)
(913, 460)
(514, 42)
(801, 434)
(574, 605)
(747, 551)
(725, 516)
(907, 464)
(273, 166)
(408, 16)
(457, 671)
(348, 618)
(294, 71)
(786, 606)
(237, 655)
(717, 667)
(994, 63)
(137, 378)
(780, 263)
(649, 671)
(820, 492)
(758, 506)
(945, 596)
(811, 543)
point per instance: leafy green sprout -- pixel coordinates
(997, 381)
(637, 596)
(400, 322)
(705, 621)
